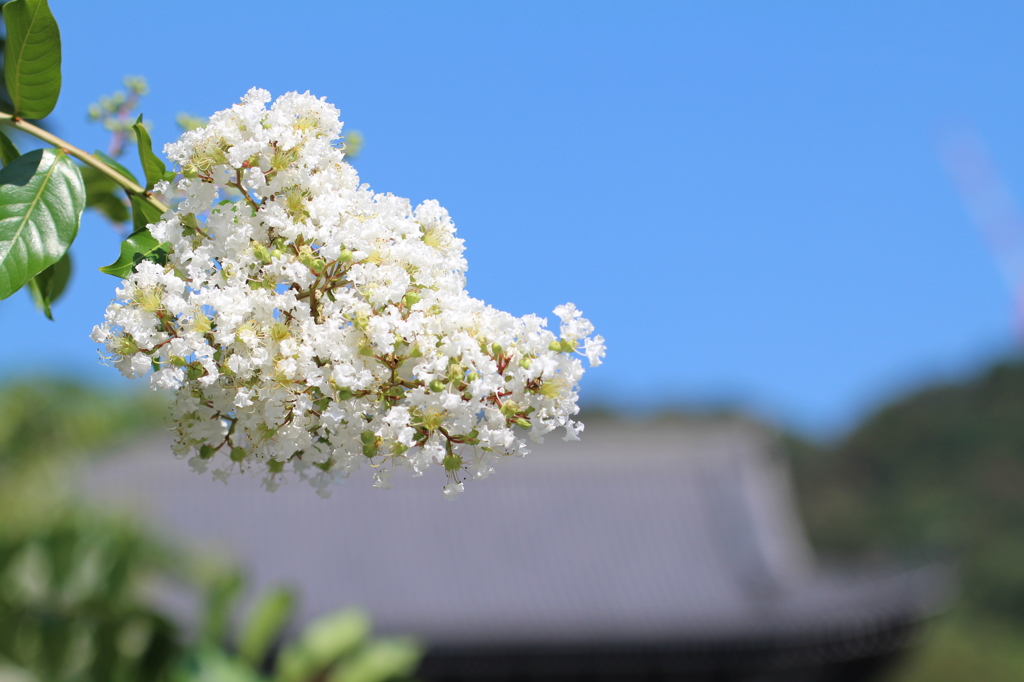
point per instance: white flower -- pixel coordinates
(308, 325)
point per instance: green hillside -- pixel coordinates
(937, 475)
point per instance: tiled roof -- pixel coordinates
(641, 532)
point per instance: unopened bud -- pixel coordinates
(261, 252)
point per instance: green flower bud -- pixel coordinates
(525, 363)
(178, 361)
(206, 451)
(452, 463)
(238, 454)
(496, 349)
(190, 171)
(261, 252)
(436, 386)
(189, 222)
(525, 423)
(345, 256)
(275, 467)
(344, 393)
(368, 437)
(411, 298)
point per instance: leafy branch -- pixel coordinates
(43, 193)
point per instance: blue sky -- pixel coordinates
(746, 198)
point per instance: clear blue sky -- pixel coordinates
(746, 198)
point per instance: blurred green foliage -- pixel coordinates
(967, 649)
(70, 607)
(941, 471)
(938, 474)
(74, 580)
(335, 648)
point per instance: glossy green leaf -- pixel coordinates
(115, 165)
(8, 152)
(264, 625)
(152, 166)
(143, 213)
(48, 285)
(139, 246)
(42, 197)
(32, 57)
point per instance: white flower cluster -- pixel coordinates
(305, 322)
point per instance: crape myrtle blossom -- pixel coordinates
(305, 323)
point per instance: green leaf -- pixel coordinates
(48, 285)
(143, 213)
(221, 595)
(212, 665)
(381, 661)
(139, 246)
(42, 197)
(32, 57)
(115, 165)
(152, 165)
(323, 642)
(264, 624)
(104, 195)
(110, 205)
(96, 182)
(8, 152)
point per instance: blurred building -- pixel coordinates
(657, 551)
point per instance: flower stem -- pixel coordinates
(84, 157)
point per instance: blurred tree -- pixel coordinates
(942, 471)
